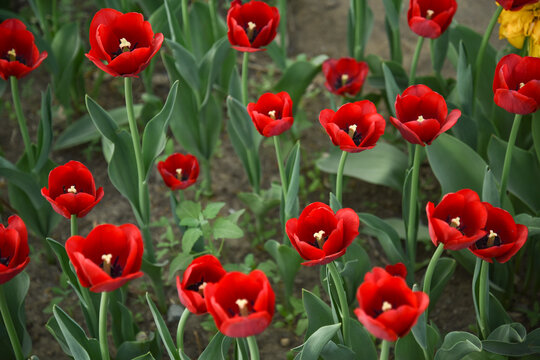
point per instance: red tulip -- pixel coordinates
(179, 171)
(344, 76)
(251, 25)
(430, 18)
(108, 257)
(398, 269)
(354, 127)
(241, 305)
(272, 113)
(122, 44)
(514, 5)
(72, 190)
(422, 115)
(458, 221)
(503, 236)
(517, 84)
(388, 308)
(13, 248)
(18, 53)
(321, 236)
(202, 271)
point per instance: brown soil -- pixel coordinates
(315, 27)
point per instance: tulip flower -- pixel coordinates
(321, 236)
(202, 271)
(458, 221)
(241, 305)
(13, 248)
(344, 76)
(503, 237)
(122, 44)
(354, 127)
(517, 84)
(387, 307)
(251, 25)
(430, 18)
(514, 5)
(179, 171)
(272, 113)
(108, 257)
(18, 52)
(422, 115)
(72, 190)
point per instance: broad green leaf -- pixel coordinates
(457, 345)
(439, 49)
(441, 276)
(535, 131)
(211, 65)
(44, 131)
(65, 45)
(532, 223)
(189, 239)
(214, 350)
(315, 343)
(180, 262)
(387, 236)
(455, 165)
(163, 330)
(186, 64)
(15, 291)
(23, 181)
(80, 346)
(464, 81)
(318, 312)
(382, 165)
(362, 345)
(226, 229)
(212, 209)
(391, 87)
(188, 209)
(293, 163)
(408, 349)
(287, 260)
(490, 189)
(139, 349)
(332, 351)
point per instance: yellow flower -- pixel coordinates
(516, 25)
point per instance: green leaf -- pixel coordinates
(524, 171)
(44, 131)
(382, 165)
(439, 49)
(188, 209)
(464, 81)
(212, 64)
(457, 345)
(189, 239)
(80, 346)
(441, 276)
(408, 349)
(186, 64)
(226, 229)
(455, 165)
(214, 350)
(363, 345)
(332, 351)
(147, 356)
(356, 264)
(212, 209)
(287, 260)
(392, 89)
(490, 190)
(155, 132)
(292, 163)
(163, 330)
(535, 131)
(318, 313)
(532, 223)
(180, 262)
(142, 349)
(16, 290)
(387, 236)
(21, 179)
(315, 343)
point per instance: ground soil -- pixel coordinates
(315, 27)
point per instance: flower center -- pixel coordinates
(242, 307)
(72, 189)
(491, 239)
(114, 270)
(4, 260)
(272, 114)
(107, 263)
(386, 306)
(251, 31)
(180, 175)
(355, 135)
(320, 238)
(344, 79)
(420, 118)
(12, 55)
(455, 222)
(429, 13)
(125, 45)
(521, 85)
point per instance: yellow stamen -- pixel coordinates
(319, 237)
(179, 174)
(456, 222)
(72, 190)
(272, 114)
(242, 307)
(352, 130)
(491, 238)
(107, 263)
(12, 55)
(386, 306)
(125, 45)
(344, 79)
(201, 288)
(251, 30)
(420, 118)
(521, 85)
(429, 13)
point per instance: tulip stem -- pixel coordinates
(339, 177)
(483, 298)
(180, 330)
(253, 347)
(185, 24)
(359, 16)
(481, 52)
(430, 270)
(385, 350)
(103, 341)
(508, 156)
(342, 302)
(8, 322)
(74, 225)
(245, 63)
(414, 63)
(282, 6)
(411, 226)
(22, 121)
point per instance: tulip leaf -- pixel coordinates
(155, 132)
(287, 260)
(332, 351)
(439, 49)
(524, 171)
(455, 165)
(458, 344)
(293, 179)
(143, 349)
(387, 236)
(391, 87)
(80, 347)
(123, 326)
(180, 262)
(464, 82)
(147, 356)
(21, 180)
(189, 239)
(186, 64)
(356, 265)
(535, 130)
(226, 229)
(163, 330)
(382, 165)
(44, 131)
(532, 223)
(175, 31)
(407, 348)
(315, 343)
(214, 350)
(444, 269)
(211, 64)
(490, 190)
(363, 345)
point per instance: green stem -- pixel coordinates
(280, 166)
(103, 341)
(483, 302)
(339, 176)
(385, 350)
(8, 322)
(245, 62)
(431, 268)
(253, 348)
(207, 173)
(342, 302)
(482, 50)
(74, 226)
(414, 64)
(22, 121)
(508, 156)
(213, 19)
(180, 330)
(411, 230)
(359, 14)
(282, 6)
(185, 24)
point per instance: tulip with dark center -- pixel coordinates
(515, 5)
(430, 18)
(179, 171)
(345, 76)
(13, 248)
(272, 113)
